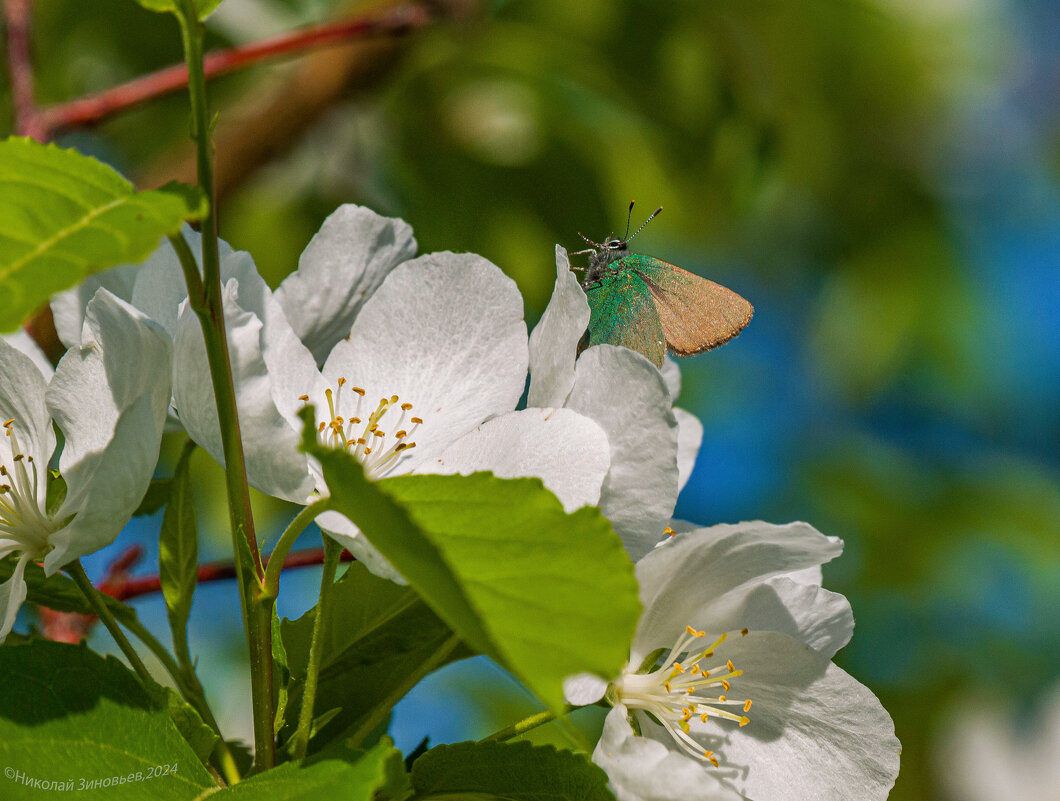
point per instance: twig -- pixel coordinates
(212, 571)
(17, 23)
(74, 627)
(94, 108)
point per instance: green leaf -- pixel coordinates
(281, 674)
(545, 593)
(197, 734)
(156, 497)
(379, 640)
(178, 549)
(515, 771)
(202, 7)
(69, 716)
(340, 774)
(64, 216)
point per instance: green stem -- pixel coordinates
(523, 726)
(332, 551)
(95, 597)
(273, 568)
(192, 692)
(189, 266)
(210, 310)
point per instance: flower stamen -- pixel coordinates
(675, 691)
(354, 430)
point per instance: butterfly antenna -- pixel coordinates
(629, 215)
(654, 214)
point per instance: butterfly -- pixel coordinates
(648, 305)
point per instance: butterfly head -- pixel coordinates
(612, 249)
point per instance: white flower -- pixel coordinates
(653, 446)
(424, 361)
(990, 753)
(730, 683)
(108, 396)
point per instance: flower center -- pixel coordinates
(21, 518)
(356, 428)
(677, 692)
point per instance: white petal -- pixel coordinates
(815, 734)
(344, 532)
(109, 397)
(699, 577)
(68, 308)
(671, 374)
(554, 341)
(343, 265)
(444, 332)
(643, 769)
(625, 394)
(274, 464)
(21, 341)
(812, 615)
(583, 689)
(22, 399)
(689, 438)
(808, 575)
(12, 596)
(566, 450)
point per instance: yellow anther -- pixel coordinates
(19, 457)
(401, 434)
(394, 399)
(358, 390)
(730, 666)
(361, 441)
(726, 685)
(678, 668)
(695, 633)
(722, 699)
(669, 532)
(704, 718)
(666, 684)
(367, 451)
(417, 421)
(743, 632)
(406, 406)
(355, 421)
(321, 426)
(303, 398)
(341, 381)
(747, 705)
(713, 761)
(378, 433)
(690, 691)
(743, 721)
(9, 423)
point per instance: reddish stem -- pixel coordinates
(210, 571)
(74, 627)
(17, 23)
(93, 108)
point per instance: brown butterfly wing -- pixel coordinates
(696, 314)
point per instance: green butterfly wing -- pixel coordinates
(695, 314)
(622, 312)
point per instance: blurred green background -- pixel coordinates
(879, 177)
